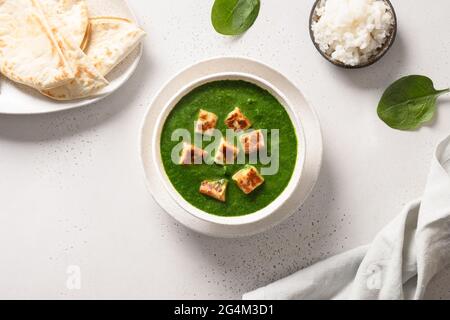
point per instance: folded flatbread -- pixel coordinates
(29, 52)
(87, 36)
(88, 80)
(111, 40)
(68, 16)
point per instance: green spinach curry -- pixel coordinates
(264, 112)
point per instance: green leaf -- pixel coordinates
(234, 17)
(409, 102)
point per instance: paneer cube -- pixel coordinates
(237, 121)
(248, 179)
(192, 154)
(215, 189)
(206, 123)
(226, 153)
(253, 141)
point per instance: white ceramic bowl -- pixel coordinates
(249, 218)
(300, 111)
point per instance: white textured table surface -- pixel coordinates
(72, 189)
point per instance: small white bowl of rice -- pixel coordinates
(353, 33)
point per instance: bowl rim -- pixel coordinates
(381, 54)
(278, 201)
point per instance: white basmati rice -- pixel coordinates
(352, 31)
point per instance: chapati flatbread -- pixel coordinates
(68, 16)
(87, 36)
(29, 52)
(88, 80)
(111, 40)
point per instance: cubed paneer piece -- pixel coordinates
(253, 141)
(237, 121)
(215, 189)
(192, 154)
(248, 179)
(226, 153)
(206, 123)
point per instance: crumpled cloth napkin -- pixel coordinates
(398, 264)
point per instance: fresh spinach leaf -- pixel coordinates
(234, 17)
(409, 102)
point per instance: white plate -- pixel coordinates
(208, 68)
(19, 99)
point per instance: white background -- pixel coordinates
(72, 190)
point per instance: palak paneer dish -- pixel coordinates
(224, 176)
